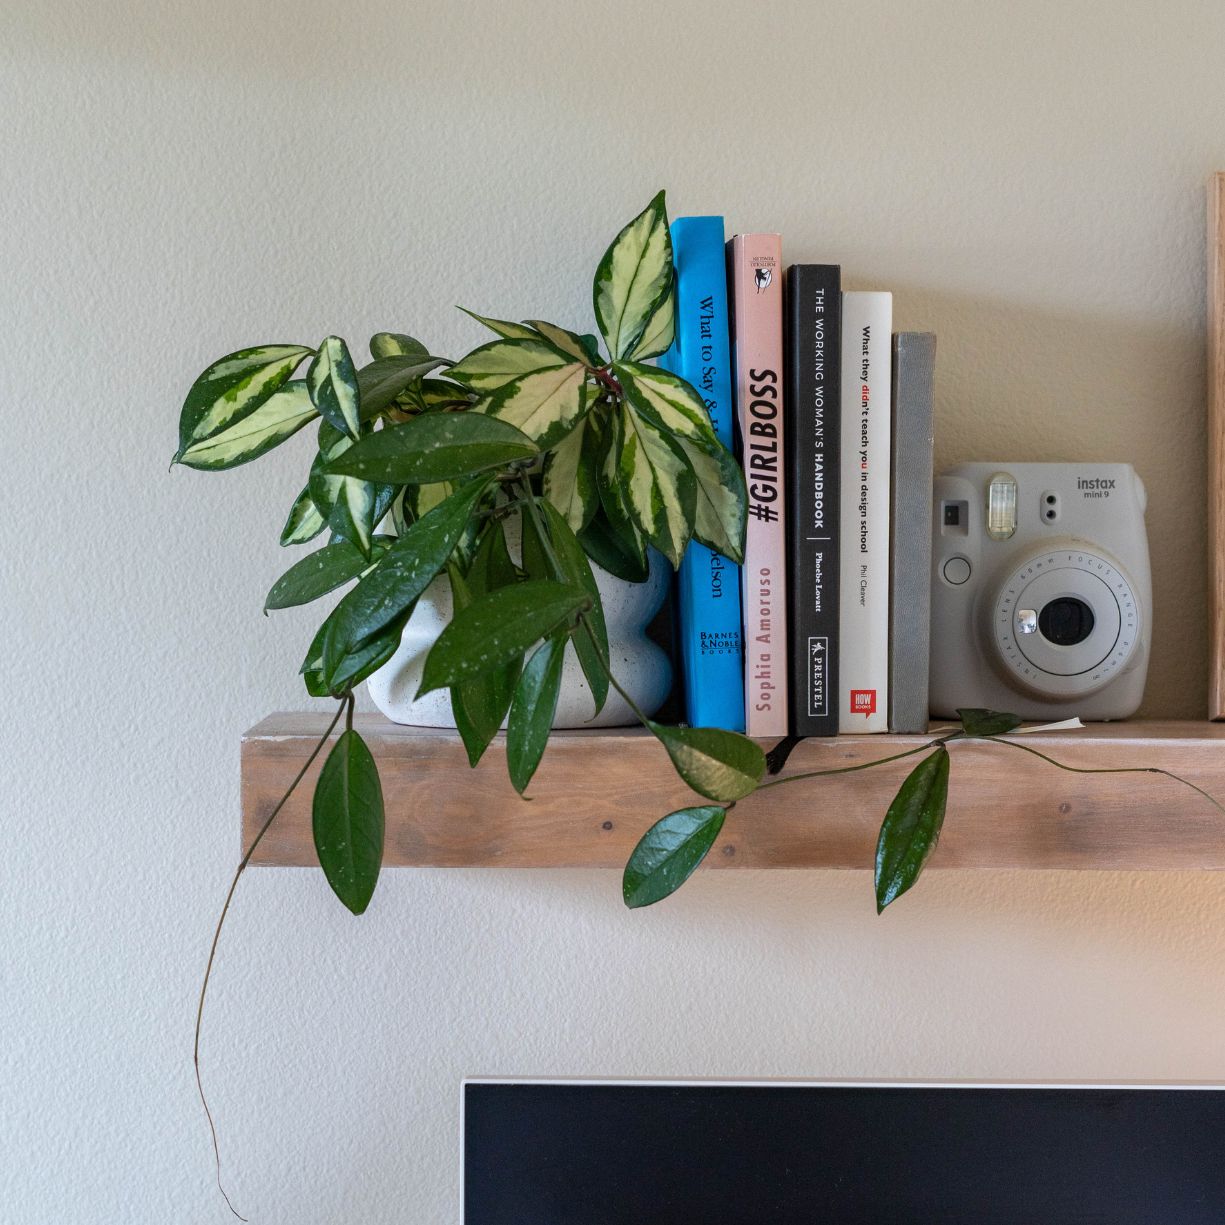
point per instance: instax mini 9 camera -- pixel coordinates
(1041, 596)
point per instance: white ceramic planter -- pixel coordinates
(637, 662)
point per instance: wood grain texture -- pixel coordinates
(596, 792)
(1216, 446)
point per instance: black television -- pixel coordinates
(564, 1152)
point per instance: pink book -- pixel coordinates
(755, 263)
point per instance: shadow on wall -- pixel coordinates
(1018, 384)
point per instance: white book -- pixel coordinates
(863, 660)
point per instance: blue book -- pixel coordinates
(708, 584)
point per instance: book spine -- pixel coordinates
(708, 585)
(914, 359)
(814, 412)
(863, 660)
(757, 291)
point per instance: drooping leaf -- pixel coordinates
(345, 672)
(494, 629)
(233, 388)
(668, 403)
(324, 570)
(434, 447)
(502, 361)
(976, 721)
(582, 348)
(660, 331)
(332, 383)
(605, 546)
(402, 573)
(396, 344)
(720, 765)
(591, 648)
(911, 827)
(722, 500)
(353, 507)
(668, 853)
(304, 522)
(570, 478)
(532, 710)
(282, 414)
(633, 276)
(503, 327)
(535, 561)
(347, 818)
(545, 405)
(612, 495)
(658, 486)
(386, 377)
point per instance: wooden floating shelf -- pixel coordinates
(597, 791)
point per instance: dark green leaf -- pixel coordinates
(347, 817)
(978, 722)
(304, 522)
(349, 670)
(720, 765)
(591, 649)
(606, 546)
(233, 388)
(332, 383)
(402, 574)
(911, 827)
(396, 344)
(434, 447)
(496, 628)
(386, 377)
(668, 852)
(321, 572)
(532, 711)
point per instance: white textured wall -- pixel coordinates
(177, 180)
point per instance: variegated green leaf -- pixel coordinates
(434, 393)
(545, 405)
(421, 499)
(304, 522)
(658, 486)
(284, 413)
(396, 344)
(351, 505)
(570, 478)
(384, 379)
(722, 501)
(612, 500)
(502, 361)
(233, 388)
(633, 276)
(333, 386)
(660, 330)
(582, 348)
(503, 327)
(668, 402)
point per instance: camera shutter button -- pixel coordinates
(956, 570)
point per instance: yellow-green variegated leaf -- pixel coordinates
(667, 402)
(582, 348)
(352, 507)
(233, 388)
(612, 495)
(660, 330)
(570, 478)
(545, 405)
(722, 502)
(304, 522)
(284, 413)
(503, 327)
(657, 485)
(633, 276)
(396, 344)
(502, 361)
(332, 382)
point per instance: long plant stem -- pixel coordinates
(863, 765)
(1016, 744)
(346, 704)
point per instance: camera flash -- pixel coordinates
(1001, 506)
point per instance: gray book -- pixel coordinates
(910, 536)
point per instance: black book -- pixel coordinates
(812, 400)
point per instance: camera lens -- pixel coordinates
(1066, 621)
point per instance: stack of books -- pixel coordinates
(824, 629)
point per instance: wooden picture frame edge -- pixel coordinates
(1216, 446)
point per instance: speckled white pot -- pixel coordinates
(637, 662)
